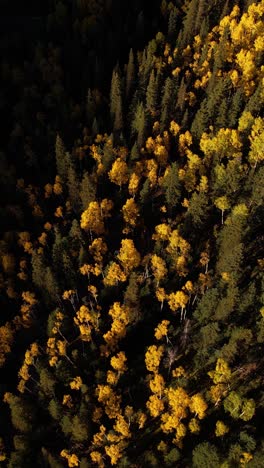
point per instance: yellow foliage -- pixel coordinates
(97, 458)
(130, 212)
(157, 384)
(118, 362)
(245, 458)
(177, 300)
(114, 452)
(158, 267)
(59, 212)
(133, 184)
(112, 377)
(128, 255)
(178, 372)
(76, 383)
(222, 372)
(119, 172)
(152, 357)
(91, 219)
(141, 419)
(98, 249)
(72, 459)
(155, 405)
(256, 153)
(162, 329)
(67, 401)
(162, 232)
(221, 429)
(198, 405)
(114, 274)
(122, 426)
(194, 426)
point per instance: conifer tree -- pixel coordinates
(130, 74)
(166, 102)
(62, 158)
(139, 124)
(116, 98)
(87, 190)
(172, 24)
(152, 94)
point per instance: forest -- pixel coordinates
(131, 234)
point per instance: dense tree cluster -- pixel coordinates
(132, 287)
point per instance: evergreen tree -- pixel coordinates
(62, 159)
(73, 188)
(87, 190)
(139, 124)
(130, 74)
(166, 102)
(172, 24)
(152, 94)
(189, 23)
(172, 186)
(115, 97)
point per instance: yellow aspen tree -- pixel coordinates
(69, 295)
(226, 143)
(76, 383)
(157, 385)
(114, 453)
(114, 274)
(92, 220)
(29, 360)
(109, 400)
(256, 138)
(194, 426)
(155, 405)
(57, 187)
(162, 330)
(222, 203)
(43, 238)
(221, 377)
(82, 320)
(118, 362)
(141, 419)
(159, 268)
(120, 319)
(153, 357)
(119, 172)
(106, 206)
(221, 429)
(204, 260)
(198, 405)
(162, 232)
(161, 296)
(97, 457)
(185, 141)
(122, 426)
(128, 255)
(152, 168)
(27, 308)
(161, 154)
(133, 184)
(98, 249)
(72, 459)
(130, 214)
(178, 300)
(174, 128)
